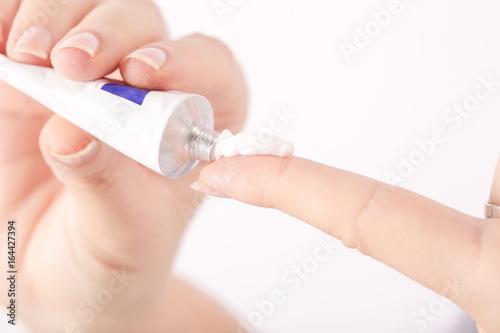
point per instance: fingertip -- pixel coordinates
(155, 57)
(61, 137)
(79, 57)
(78, 160)
(249, 179)
(87, 42)
(138, 73)
(75, 64)
(31, 46)
(157, 67)
(78, 157)
(215, 174)
(30, 59)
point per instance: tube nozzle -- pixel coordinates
(201, 144)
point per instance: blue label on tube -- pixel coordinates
(132, 94)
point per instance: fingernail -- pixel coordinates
(202, 188)
(152, 56)
(84, 41)
(78, 157)
(36, 41)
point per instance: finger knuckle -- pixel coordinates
(278, 185)
(363, 215)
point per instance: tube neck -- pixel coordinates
(202, 141)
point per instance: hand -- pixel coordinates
(449, 252)
(97, 232)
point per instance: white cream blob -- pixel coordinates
(250, 143)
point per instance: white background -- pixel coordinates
(360, 116)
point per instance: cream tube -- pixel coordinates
(169, 132)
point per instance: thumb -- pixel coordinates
(84, 165)
(428, 242)
(107, 194)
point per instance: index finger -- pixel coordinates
(434, 245)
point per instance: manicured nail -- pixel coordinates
(152, 56)
(78, 157)
(197, 186)
(36, 41)
(84, 41)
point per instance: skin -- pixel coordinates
(76, 224)
(445, 250)
(83, 219)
